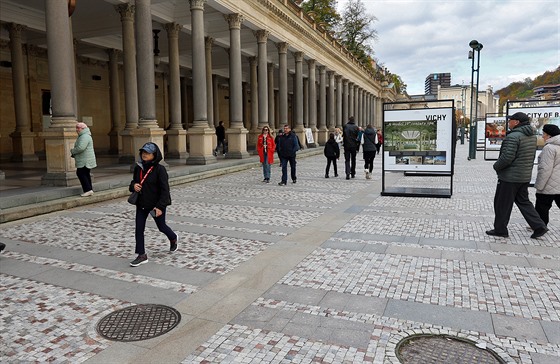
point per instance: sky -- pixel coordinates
(418, 37)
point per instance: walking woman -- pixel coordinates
(151, 181)
(84, 156)
(548, 175)
(266, 148)
(369, 142)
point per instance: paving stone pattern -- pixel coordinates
(394, 267)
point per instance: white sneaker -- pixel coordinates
(87, 194)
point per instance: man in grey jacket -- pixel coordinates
(514, 168)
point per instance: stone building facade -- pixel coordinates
(168, 71)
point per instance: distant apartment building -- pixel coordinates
(487, 101)
(547, 92)
(434, 80)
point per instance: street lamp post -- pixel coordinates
(475, 52)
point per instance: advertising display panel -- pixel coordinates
(418, 140)
(495, 132)
(541, 112)
(480, 129)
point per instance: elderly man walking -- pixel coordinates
(514, 168)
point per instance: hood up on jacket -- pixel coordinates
(150, 148)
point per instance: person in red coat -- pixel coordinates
(266, 148)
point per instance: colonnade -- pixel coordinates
(320, 104)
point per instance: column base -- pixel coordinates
(177, 144)
(128, 154)
(322, 136)
(200, 138)
(237, 143)
(23, 147)
(61, 168)
(60, 179)
(253, 138)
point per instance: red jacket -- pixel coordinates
(270, 148)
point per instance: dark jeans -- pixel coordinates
(141, 216)
(85, 178)
(369, 157)
(329, 161)
(506, 194)
(544, 203)
(223, 143)
(350, 161)
(284, 162)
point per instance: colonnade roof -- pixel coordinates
(97, 26)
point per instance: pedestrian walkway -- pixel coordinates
(325, 270)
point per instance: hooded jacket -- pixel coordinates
(517, 155)
(548, 177)
(369, 140)
(332, 150)
(82, 152)
(155, 189)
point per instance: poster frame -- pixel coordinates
(486, 137)
(452, 135)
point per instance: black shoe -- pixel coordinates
(281, 183)
(264, 180)
(353, 176)
(539, 232)
(494, 233)
(294, 181)
(141, 259)
(336, 175)
(268, 180)
(326, 176)
(347, 176)
(2, 247)
(173, 244)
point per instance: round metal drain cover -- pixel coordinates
(138, 322)
(439, 349)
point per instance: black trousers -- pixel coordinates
(141, 216)
(508, 193)
(368, 158)
(544, 203)
(284, 162)
(350, 161)
(84, 176)
(329, 161)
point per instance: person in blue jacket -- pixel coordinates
(287, 146)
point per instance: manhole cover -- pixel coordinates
(138, 322)
(439, 349)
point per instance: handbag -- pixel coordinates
(133, 198)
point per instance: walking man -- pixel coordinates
(351, 143)
(221, 136)
(514, 167)
(287, 146)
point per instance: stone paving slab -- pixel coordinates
(323, 270)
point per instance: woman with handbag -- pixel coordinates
(151, 184)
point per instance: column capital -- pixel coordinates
(126, 11)
(330, 73)
(113, 53)
(345, 81)
(311, 62)
(270, 66)
(172, 29)
(14, 29)
(261, 35)
(197, 4)
(253, 61)
(282, 47)
(298, 56)
(322, 69)
(234, 20)
(208, 42)
(338, 77)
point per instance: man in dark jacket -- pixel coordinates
(514, 168)
(351, 143)
(221, 136)
(287, 146)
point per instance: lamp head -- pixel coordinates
(474, 44)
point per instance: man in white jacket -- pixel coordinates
(548, 176)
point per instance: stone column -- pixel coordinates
(312, 101)
(22, 137)
(323, 131)
(355, 106)
(283, 83)
(61, 135)
(115, 92)
(345, 115)
(236, 133)
(208, 41)
(306, 103)
(200, 135)
(298, 97)
(270, 82)
(176, 134)
(262, 37)
(128, 153)
(359, 113)
(253, 61)
(350, 101)
(216, 100)
(184, 103)
(331, 104)
(338, 120)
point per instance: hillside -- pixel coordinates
(524, 89)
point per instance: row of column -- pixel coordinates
(344, 98)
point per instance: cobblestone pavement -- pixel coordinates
(325, 270)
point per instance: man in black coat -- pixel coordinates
(287, 146)
(221, 136)
(351, 143)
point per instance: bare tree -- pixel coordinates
(356, 30)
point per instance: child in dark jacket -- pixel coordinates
(332, 152)
(151, 181)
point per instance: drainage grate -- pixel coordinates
(437, 349)
(138, 322)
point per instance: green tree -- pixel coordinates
(356, 31)
(324, 12)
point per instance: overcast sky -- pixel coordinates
(418, 37)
